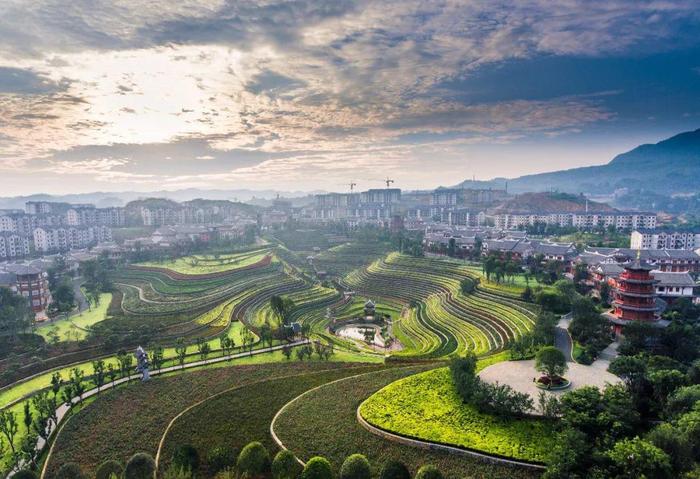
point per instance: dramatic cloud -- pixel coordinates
(292, 93)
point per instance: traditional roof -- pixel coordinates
(609, 269)
(673, 279)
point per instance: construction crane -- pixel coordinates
(388, 182)
(352, 186)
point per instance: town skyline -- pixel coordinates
(301, 96)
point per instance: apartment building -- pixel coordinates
(618, 220)
(14, 245)
(67, 238)
(650, 239)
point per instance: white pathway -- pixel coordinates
(63, 409)
(519, 375)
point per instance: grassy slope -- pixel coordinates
(82, 321)
(142, 412)
(426, 406)
(324, 423)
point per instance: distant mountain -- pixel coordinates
(671, 166)
(549, 203)
(103, 199)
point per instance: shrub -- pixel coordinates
(317, 468)
(355, 466)
(25, 474)
(107, 468)
(70, 470)
(395, 470)
(464, 377)
(176, 472)
(285, 466)
(682, 400)
(140, 466)
(428, 472)
(221, 457)
(254, 460)
(226, 474)
(186, 457)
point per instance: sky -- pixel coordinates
(141, 95)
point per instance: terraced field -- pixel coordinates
(342, 259)
(442, 320)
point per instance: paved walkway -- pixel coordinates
(562, 339)
(519, 375)
(63, 409)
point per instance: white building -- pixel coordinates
(618, 220)
(673, 285)
(69, 238)
(13, 245)
(648, 239)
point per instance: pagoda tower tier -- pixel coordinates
(634, 297)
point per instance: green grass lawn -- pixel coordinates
(426, 406)
(74, 327)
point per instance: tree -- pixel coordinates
(204, 350)
(25, 474)
(550, 361)
(98, 368)
(56, 383)
(181, 351)
(70, 470)
(112, 373)
(394, 470)
(355, 466)
(637, 458)
(9, 427)
(15, 313)
(186, 458)
(28, 419)
(253, 461)
(287, 351)
(672, 441)
(570, 455)
(285, 466)
(266, 334)
(107, 468)
(317, 468)
(428, 472)
(77, 384)
(140, 466)
(157, 357)
(463, 371)
(221, 457)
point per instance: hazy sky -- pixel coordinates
(144, 95)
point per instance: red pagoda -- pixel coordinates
(634, 296)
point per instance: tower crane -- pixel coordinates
(388, 182)
(352, 186)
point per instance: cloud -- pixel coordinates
(194, 89)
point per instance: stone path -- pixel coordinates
(519, 375)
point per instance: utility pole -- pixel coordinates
(388, 182)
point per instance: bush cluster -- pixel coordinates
(499, 399)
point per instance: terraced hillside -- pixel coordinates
(442, 320)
